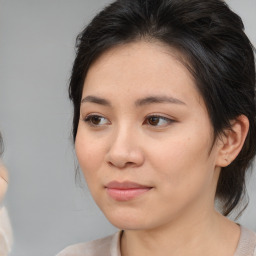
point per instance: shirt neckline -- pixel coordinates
(246, 244)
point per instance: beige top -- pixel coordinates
(110, 246)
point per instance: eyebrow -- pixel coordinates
(158, 99)
(138, 103)
(97, 100)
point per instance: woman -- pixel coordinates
(164, 126)
(5, 228)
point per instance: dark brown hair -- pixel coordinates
(220, 55)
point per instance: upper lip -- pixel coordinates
(125, 185)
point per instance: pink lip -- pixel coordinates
(125, 191)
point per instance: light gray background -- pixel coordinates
(48, 209)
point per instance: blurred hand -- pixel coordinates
(3, 181)
(5, 226)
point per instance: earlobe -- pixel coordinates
(232, 141)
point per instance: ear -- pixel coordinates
(232, 141)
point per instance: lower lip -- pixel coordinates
(126, 194)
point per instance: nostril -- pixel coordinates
(121, 165)
(122, 157)
(110, 163)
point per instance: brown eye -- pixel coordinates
(153, 120)
(95, 120)
(158, 121)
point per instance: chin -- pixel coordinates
(124, 225)
(128, 220)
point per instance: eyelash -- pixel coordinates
(88, 119)
(166, 119)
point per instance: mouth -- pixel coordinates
(125, 191)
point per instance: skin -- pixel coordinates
(173, 153)
(3, 181)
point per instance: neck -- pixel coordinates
(206, 234)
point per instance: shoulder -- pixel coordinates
(108, 246)
(247, 243)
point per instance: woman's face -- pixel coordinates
(144, 139)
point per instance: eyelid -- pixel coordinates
(88, 118)
(168, 120)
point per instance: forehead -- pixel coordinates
(138, 68)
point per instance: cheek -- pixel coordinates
(182, 164)
(89, 154)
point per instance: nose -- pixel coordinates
(125, 150)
